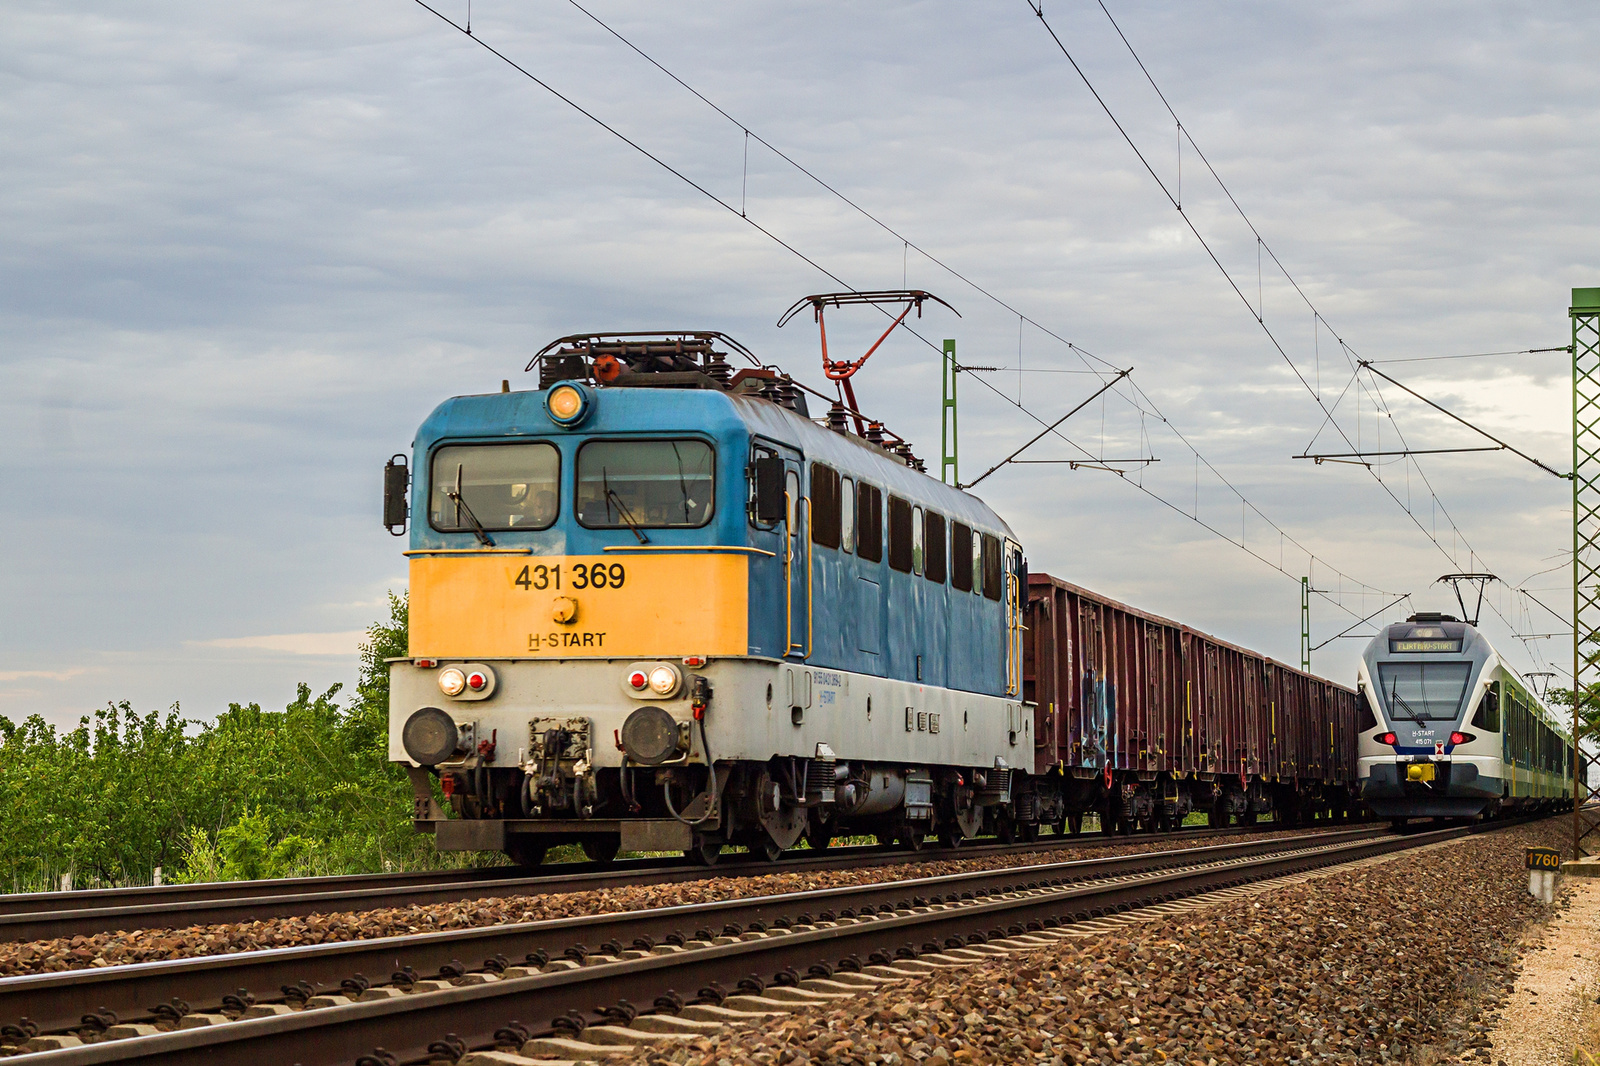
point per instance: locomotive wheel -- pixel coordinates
(910, 836)
(524, 851)
(600, 849)
(819, 834)
(705, 850)
(950, 836)
(1005, 827)
(769, 849)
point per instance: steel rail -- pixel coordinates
(45, 915)
(56, 1002)
(405, 1025)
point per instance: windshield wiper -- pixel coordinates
(454, 495)
(622, 508)
(1395, 697)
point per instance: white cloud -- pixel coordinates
(345, 644)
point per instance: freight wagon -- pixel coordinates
(1142, 720)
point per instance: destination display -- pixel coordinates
(1396, 646)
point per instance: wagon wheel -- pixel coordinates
(601, 849)
(705, 850)
(524, 851)
(1074, 824)
(1005, 827)
(819, 834)
(1030, 831)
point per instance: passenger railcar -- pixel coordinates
(1450, 730)
(1143, 720)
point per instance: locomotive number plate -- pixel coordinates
(1543, 858)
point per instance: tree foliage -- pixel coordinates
(255, 793)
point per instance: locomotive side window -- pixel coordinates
(900, 552)
(1487, 716)
(993, 583)
(626, 484)
(847, 514)
(961, 556)
(918, 540)
(933, 548)
(502, 486)
(977, 563)
(869, 523)
(825, 517)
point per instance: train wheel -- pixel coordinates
(1059, 827)
(525, 852)
(705, 850)
(1030, 831)
(910, 836)
(950, 836)
(819, 834)
(1005, 828)
(1074, 824)
(768, 849)
(600, 849)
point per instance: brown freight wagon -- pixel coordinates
(1142, 719)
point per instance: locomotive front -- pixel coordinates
(620, 635)
(1451, 731)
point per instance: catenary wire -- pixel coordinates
(742, 214)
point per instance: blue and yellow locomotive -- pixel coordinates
(655, 606)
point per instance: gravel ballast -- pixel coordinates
(149, 945)
(1400, 961)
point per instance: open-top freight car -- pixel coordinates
(1142, 719)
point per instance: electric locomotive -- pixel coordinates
(1449, 730)
(656, 607)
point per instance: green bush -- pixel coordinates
(305, 790)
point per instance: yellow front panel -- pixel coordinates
(626, 606)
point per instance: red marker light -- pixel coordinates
(477, 681)
(637, 680)
(1388, 738)
(694, 660)
(1458, 738)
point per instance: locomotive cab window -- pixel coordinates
(900, 548)
(993, 581)
(933, 548)
(645, 483)
(961, 556)
(826, 520)
(869, 523)
(1423, 691)
(502, 486)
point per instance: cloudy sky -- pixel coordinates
(245, 248)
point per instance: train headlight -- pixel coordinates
(650, 736)
(663, 680)
(431, 737)
(568, 404)
(452, 681)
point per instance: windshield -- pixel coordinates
(503, 486)
(1427, 691)
(644, 483)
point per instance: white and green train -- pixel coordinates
(1450, 730)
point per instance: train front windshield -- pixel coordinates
(1424, 691)
(649, 483)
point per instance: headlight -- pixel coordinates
(663, 680)
(452, 681)
(568, 404)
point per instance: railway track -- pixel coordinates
(47, 915)
(335, 1002)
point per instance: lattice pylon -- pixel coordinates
(1585, 315)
